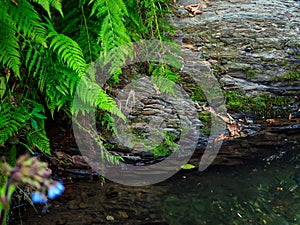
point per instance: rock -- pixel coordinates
(82, 205)
(72, 204)
(296, 178)
(123, 214)
(110, 218)
(246, 46)
(251, 46)
(265, 141)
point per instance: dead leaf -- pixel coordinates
(123, 214)
(271, 121)
(243, 134)
(234, 129)
(222, 137)
(193, 9)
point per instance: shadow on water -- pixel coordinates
(256, 193)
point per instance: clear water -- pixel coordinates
(257, 193)
(264, 194)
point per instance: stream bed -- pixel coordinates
(260, 192)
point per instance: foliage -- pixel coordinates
(264, 106)
(46, 47)
(291, 76)
(167, 146)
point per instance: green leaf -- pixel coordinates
(2, 87)
(187, 166)
(40, 116)
(34, 125)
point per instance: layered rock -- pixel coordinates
(251, 46)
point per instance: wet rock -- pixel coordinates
(264, 141)
(72, 204)
(123, 214)
(251, 46)
(110, 218)
(82, 205)
(296, 178)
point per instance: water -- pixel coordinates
(256, 193)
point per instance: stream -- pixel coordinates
(260, 192)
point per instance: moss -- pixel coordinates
(266, 106)
(198, 95)
(250, 73)
(188, 30)
(165, 148)
(205, 118)
(291, 76)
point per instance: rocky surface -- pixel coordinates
(268, 140)
(251, 46)
(87, 203)
(234, 45)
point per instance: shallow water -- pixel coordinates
(256, 193)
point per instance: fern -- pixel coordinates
(39, 140)
(49, 52)
(35, 60)
(47, 3)
(60, 88)
(68, 51)
(83, 29)
(91, 94)
(28, 22)
(9, 46)
(11, 121)
(113, 34)
(19, 20)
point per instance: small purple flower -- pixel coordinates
(55, 190)
(38, 198)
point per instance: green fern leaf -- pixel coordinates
(91, 94)
(113, 33)
(9, 46)
(56, 4)
(39, 140)
(28, 21)
(11, 121)
(68, 50)
(46, 5)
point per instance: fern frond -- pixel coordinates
(164, 78)
(60, 88)
(91, 94)
(68, 51)
(11, 121)
(56, 4)
(9, 46)
(28, 21)
(35, 60)
(113, 33)
(46, 5)
(18, 21)
(39, 140)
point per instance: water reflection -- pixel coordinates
(260, 193)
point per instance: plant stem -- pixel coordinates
(5, 209)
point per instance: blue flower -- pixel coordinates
(55, 190)
(38, 198)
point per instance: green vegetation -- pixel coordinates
(45, 49)
(167, 146)
(266, 106)
(292, 76)
(250, 73)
